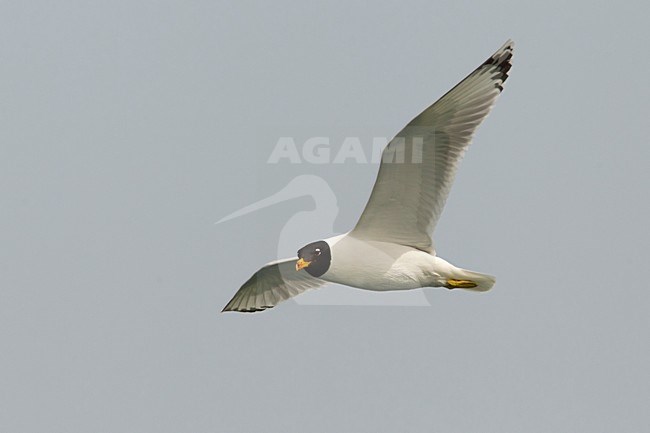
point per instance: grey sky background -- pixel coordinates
(130, 127)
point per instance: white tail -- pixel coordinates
(484, 281)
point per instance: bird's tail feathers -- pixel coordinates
(484, 282)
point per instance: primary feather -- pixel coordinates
(409, 195)
(274, 283)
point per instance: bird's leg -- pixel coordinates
(460, 284)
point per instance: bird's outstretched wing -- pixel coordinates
(419, 165)
(274, 283)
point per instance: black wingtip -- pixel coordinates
(246, 310)
(228, 306)
(502, 60)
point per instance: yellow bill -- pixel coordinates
(300, 264)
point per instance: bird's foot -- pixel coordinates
(460, 284)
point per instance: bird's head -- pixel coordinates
(314, 258)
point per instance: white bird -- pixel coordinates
(391, 247)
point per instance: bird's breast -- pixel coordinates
(379, 266)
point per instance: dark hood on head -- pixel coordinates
(319, 255)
